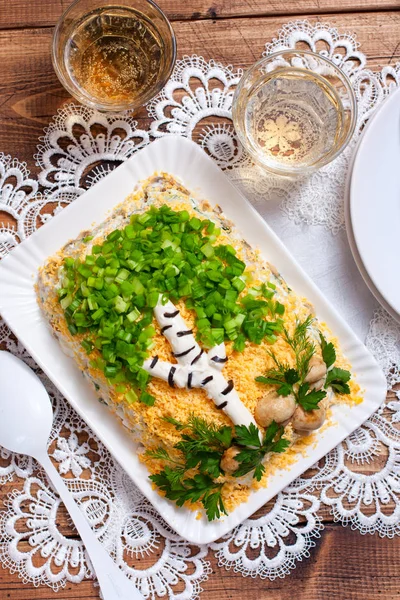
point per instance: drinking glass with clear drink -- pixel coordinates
(294, 112)
(113, 57)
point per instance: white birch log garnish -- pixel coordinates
(195, 368)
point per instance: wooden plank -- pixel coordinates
(343, 566)
(45, 13)
(337, 569)
(30, 92)
(12, 588)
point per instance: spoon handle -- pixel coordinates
(114, 584)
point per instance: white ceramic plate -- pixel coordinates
(350, 234)
(375, 204)
(18, 307)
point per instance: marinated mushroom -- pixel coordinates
(318, 385)
(316, 370)
(228, 463)
(272, 407)
(308, 420)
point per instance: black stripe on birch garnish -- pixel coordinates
(165, 328)
(171, 376)
(154, 362)
(168, 315)
(184, 353)
(218, 359)
(196, 358)
(182, 333)
(207, 380)
(228, 388)
(222, 405)
(189, 381)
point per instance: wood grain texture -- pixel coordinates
(44, 13)
(344, 565)
(30, 92)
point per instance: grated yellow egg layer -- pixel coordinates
(146, 422)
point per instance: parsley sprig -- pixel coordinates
(336, 378)
(253, 450)
(198, 488)
(328, 351)
(201, 448)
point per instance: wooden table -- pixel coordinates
(344, 565)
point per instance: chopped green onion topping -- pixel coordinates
(110, 295)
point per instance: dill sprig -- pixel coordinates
(161, 453)
(292, 380)
(301, 345)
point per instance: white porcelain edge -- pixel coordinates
(375, 286)
(350, 234)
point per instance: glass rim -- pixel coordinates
(237, 115)
(79, 93)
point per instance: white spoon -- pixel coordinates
(26, 419)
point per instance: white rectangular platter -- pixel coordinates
(183, 159)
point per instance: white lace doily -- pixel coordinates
(78, 148)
